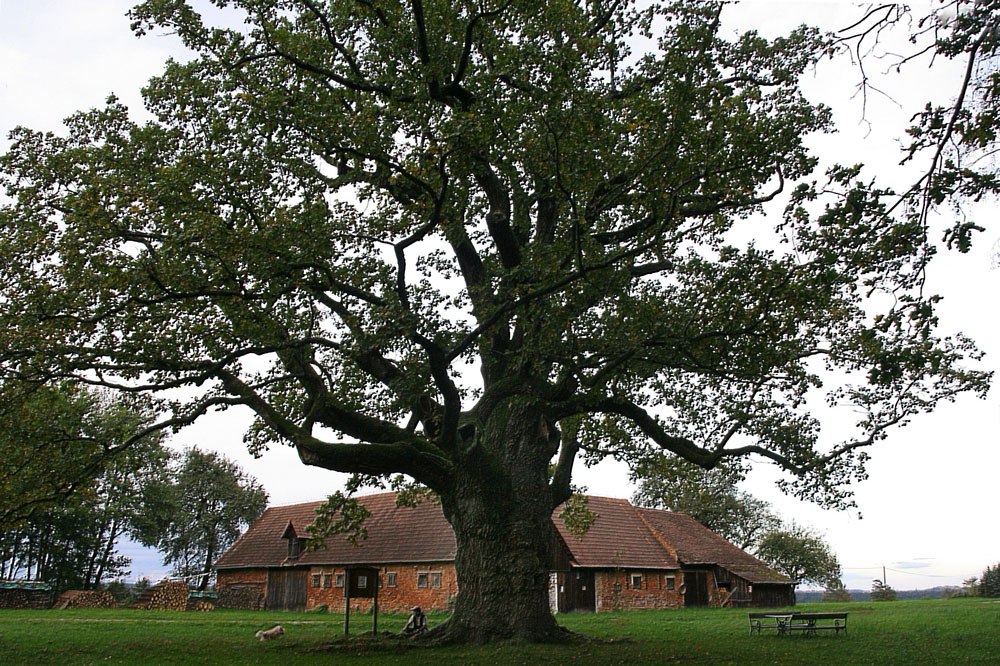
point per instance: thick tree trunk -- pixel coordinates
(500, 508)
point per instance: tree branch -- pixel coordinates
(568, 448)
(498, 217)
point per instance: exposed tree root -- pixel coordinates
(455, 633)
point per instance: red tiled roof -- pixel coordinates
(618, 538)
(621, 536)
(696, 544)
(429, 537)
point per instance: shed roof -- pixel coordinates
(696, 544)
(617, 538)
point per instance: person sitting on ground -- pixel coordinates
(417, 624)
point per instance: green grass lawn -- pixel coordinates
(958, 631)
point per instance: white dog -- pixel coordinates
(273, 632)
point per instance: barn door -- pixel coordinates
(576, 591)
(585, 597)
(695, 588)
(286, 589)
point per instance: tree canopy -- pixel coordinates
(458, 241)
(955, 138)
(197, 511)
(801, 554)
(59, 439)
(70, 484)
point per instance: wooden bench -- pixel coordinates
(790, 622)
(813, 622)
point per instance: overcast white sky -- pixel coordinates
(930, 503)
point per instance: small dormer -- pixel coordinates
(295, 542)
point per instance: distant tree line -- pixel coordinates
(985, 585)
(989, 582)
(858, 594)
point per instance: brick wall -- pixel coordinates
(616, 590)
(433, 586)
(430, 586)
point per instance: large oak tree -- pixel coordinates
(461, 241)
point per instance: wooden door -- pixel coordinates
(576, 591)
(286, 589)
(695, 588)
(585, 597)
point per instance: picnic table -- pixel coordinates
(789, 622)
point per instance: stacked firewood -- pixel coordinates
(200, 605)
(86, 599)
(242, 598)
(12, 597)
(164, 596)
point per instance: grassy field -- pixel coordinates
(965, 631)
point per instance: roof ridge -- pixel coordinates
(379, 494)
(613, 499)
(392, 493)
(321, 501)
(292, 506)
(656, 534)
(696, 521)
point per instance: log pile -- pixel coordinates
(35, 597)
(164, 596)
(86, 599)
(241, 598)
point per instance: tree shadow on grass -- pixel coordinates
(395, 644)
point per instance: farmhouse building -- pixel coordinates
(631, 557)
